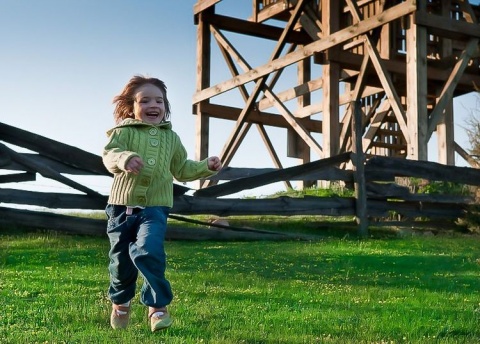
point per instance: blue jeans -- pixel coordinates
(137, 246)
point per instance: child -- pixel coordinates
(144, 154)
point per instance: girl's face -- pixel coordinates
(148, 105)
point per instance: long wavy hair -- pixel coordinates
(124, 101)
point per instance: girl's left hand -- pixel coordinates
(214, 163)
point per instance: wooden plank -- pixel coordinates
(446, 95)
(474, 163)
(424, 169)
(249, 28)
(230, 54)
(86, 226)
(17, 177)
(358, 162)
(202, 5)
(339, 37)
(294, 123)
(393, 191)
(260, 83)
(271, 177)
(399, 65)
(417, 90)
(55, 150)
(282, 206)
(446, 27)
(44, 170)
(63, 200)
(382, 73)
(51, 163)
(327, 173)
(449, 211)
(53, 200)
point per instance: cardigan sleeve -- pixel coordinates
(115, 155)
(186, 170)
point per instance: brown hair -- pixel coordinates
(124, 101)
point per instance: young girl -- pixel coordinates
(144, 154)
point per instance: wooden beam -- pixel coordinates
(446, 95)
(260, 83)
(202, 5)
(446, 27)
(55, 150)
(268, 178)
(258, 117)
(295, 124)
(358, 162)
(203, 67)
(249, 28)
(424, 169)
(17, 177)
(383, 74)
(417, 90)
(440, 72)
(339, 37)
(271, 150)
(33, 166)
(464, 154)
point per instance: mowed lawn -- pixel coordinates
(422, 289)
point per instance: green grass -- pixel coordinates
(381, 290)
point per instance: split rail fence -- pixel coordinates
(377, 194)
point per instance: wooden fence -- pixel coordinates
(382, 196)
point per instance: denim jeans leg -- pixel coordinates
(148, 255)
(123, 273)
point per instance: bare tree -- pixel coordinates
(473, 129)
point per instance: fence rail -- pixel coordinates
(383, 196)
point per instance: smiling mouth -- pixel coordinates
(152, 114)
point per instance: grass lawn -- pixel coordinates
(421, 289)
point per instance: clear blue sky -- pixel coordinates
(63, 61)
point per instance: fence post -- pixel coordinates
(358, 161)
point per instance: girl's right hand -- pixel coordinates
(134, 165)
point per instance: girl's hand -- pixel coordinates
(214, 163)
(134, 165)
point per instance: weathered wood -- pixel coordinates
(256, 116)
(327, 173)
(86, 226)
(342, 35)
(54, 164)
(56, 150)
(271, 177)
(245, 27)
(53, 200)
(424, 169)
(358, 162)
(393, 191)
(446, 27)
(377, 208)
(331, 206)
(17, 177)
(34, 166)
(323, 44)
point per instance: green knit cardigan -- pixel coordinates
(164, 158)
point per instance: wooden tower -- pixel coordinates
(403, 61)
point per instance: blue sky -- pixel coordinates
(63, 61)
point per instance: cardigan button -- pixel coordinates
(151, 161)
(153, 131)
(154, 142)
